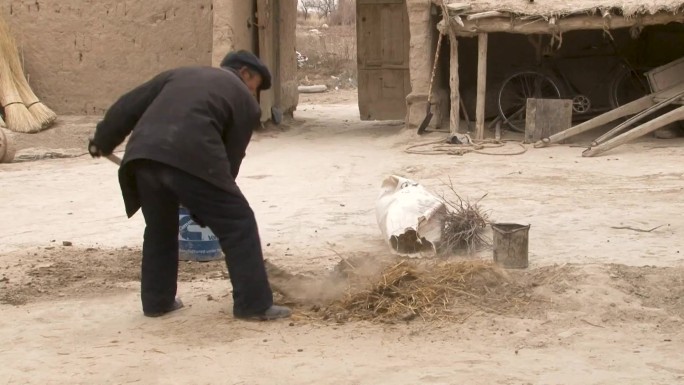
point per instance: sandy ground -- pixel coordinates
(609, 299)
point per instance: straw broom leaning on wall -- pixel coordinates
(24, 112)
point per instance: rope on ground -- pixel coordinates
(443, 147)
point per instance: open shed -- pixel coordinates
(547, 25)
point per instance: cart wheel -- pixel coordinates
(7, 149)
(628, 85)
(515, 91)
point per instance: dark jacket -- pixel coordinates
(197, 119)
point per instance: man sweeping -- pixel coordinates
(189, 131)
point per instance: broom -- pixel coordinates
(18, 117)
(44, 115)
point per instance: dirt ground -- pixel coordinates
(605, 294)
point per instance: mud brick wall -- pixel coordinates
(80, 55)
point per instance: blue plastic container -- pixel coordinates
(196, 243)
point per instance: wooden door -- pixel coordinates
(382, 31)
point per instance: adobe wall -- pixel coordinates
(422, 26)
(233, 28)
(289, 96)
(81, 55)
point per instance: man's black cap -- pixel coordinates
(242, 58)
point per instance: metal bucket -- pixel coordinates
(196, 243)
(511, 245)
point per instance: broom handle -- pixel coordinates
(434, 68)
(114, 159)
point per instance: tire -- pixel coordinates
(517, 88)
(627, 85)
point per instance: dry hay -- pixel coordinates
(411, 289)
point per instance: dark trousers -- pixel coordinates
(161, 190)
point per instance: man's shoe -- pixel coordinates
(272, 313)
(177, 304)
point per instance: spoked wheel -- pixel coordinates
(517, 89)
(581, 104)
(628, 85)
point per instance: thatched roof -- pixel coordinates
(551, 8)
(558, 16)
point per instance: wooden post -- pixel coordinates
(454, 114)
(481, 84)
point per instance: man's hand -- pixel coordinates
(94, 150)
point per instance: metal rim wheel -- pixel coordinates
(581, 104)
(628, 85)
(515, 91)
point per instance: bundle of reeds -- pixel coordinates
(24, 112)
(18, 117)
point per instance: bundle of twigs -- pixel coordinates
(430, 290)
(24, 112)
(464, 225)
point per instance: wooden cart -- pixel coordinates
(667, 88)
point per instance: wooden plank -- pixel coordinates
(484, 15)
(628, 109)
(666, 76)
(668, 93)
(383, 96)
(545, 117)
(482, 42)
(661, 121)
(571, 23)
(383, 59)
(456, 7)
(640, 116)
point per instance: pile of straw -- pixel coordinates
(23, 111)
(430, 290)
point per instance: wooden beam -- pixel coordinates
(570, 23)
(484, 15)
(456, 7)
(482, 41)
(454, 114)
